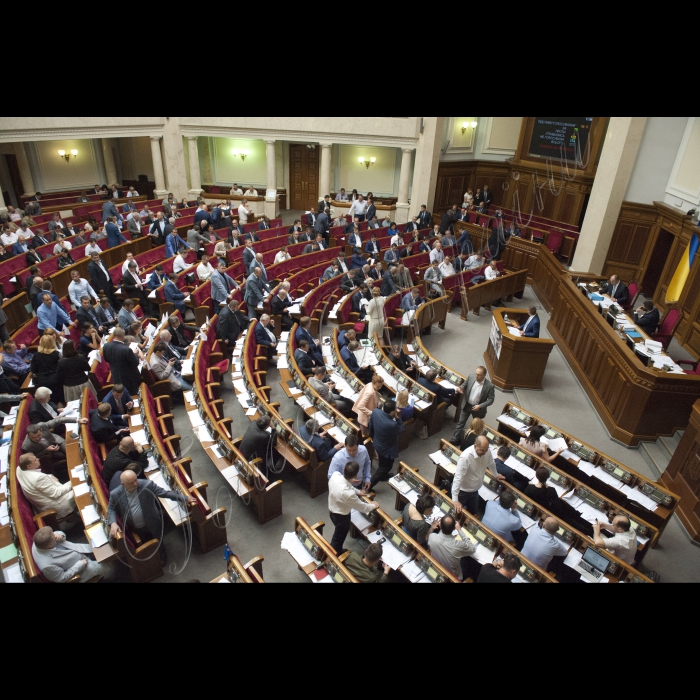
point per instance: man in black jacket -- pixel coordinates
(177, 330)
(307, 366)
(102, 428)
(100, 278)
(41, 410)
(123, 363)
(425, 218)
(349, 282)
(125, 453)
(259, 442)
(86, 314)
(280, 305)
(647, 317)
(232, 323)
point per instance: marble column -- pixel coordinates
(24, 170)
(160, 190)
(110, 167)
(612, 179)
(195, 175)
(427, 164)
(402, 206)
(271, 194)
(325, 170)
(174, 161)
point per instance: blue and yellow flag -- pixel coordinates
(675, 289)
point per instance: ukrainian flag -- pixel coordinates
(675, 289)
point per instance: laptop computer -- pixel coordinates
(592, 566)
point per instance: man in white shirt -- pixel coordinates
(251, 192)
(342, 196)
(436, 254)
(236, 191)
(205, 270)
(244, 212)
(44, 492)
(9, 238)
(180, 265)
(542, 545)
(623, 544)
(397, 240)
(342, 499)
(129, 259)
(92, 248)
(492, 272)
(282, 256)
(475, 262)
(446, 268)
(469, 478)
(359, 208)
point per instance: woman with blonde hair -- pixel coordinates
(375, 313)
(57, 339)
(44, 367)
(368, 401)
(476, 430)
(405, 403)
(468, 199)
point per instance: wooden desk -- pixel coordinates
(636, 403)
(515, 361)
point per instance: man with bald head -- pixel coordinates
(542, 545)
(469, 478)
(135, 503)
(617, 290)
(126, 452)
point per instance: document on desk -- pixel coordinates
(251, 412)
(97, 537)
(393, 558)
(487, 494)
(400, 485)
(232, 477)
(294, 391)
(337, 434)
(322, 420)
(608, 479)
(195, 419)
(13, 574)
(189, 397)
(567, 454)
(204, 434)
(483, 555)
(136, 421)
(89, 515)
(291, 544)
(573, 500)
(448, 385)
(140, 437)
(303, 402)
(4, 457)
(441, 460)
(412, 572)
(526, 520)
(282, 362)
(4, 514)
(359, 521)
(81, 490)
(520, 468)
(284, 337)
(239, 386)
(152, 466)
(515, 332)
(556, 444)
(639, 497)
(520, 427)
(3, 485)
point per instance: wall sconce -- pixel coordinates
(68, 156)
(367, 163)
(467, 125)
(242, 154)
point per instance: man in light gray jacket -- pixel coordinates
(59, 561)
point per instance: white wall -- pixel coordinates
(657, 154)
(136, 158)
(382, 179)
(683, 189)
(57, 174)
(226, 169)
(495, 138)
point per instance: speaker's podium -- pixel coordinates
(514, 361)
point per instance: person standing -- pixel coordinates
(367, 402)
(479, 394)
(375, 313)
(385, 427)
(469, 477)
(342, 499)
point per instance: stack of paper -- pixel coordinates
(441, 460)
(520, 427)
(291, 543)
(555, 444)
(4, 514)
(90, 515)
(140, 437)
(413, 573)
(639, 497)
(516, 332)
(587, 468)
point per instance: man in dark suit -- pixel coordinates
(147, 519)
(125, 453)
(121, 403)
(357, 306)
(159, 230)
(442, 394)
(486, 198)
(258, 443)
(373, 248)
(106, 315)
(325, 204)
(86, 314)
(531, 327)
(617, 290)
(448, 218)
(114, 235)
(100, 278)
(123, 363)
(479, 394)
(513, 230)
(279, 306)
(371, 210)
(232, 323)
(364, 373)
(264, 334)
(425, 218)
(323, 223)
(109, 208)
(303, 333)
(178, 330)
(102, 429)
(249, 256)
(157, 279)
(325, 446)
(354, 224)
(505, 473)
(41, 410)
(647, 317)
(349, 282)
(252, 236)
(306, 364)
(385, 427)
(412, 226)
(235, 226)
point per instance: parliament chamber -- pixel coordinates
(288, 372)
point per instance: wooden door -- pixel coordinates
(304, 177)
(16, 178)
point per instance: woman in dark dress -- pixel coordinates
(72, 371)
(44, 368)
(476, 430)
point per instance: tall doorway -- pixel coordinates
(304, 176)
(657, 263)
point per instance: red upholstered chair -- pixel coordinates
(633, 288)
(215, 190)
(556, 238)
(668, 327)
(693, 366)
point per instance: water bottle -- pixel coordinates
(505, 318)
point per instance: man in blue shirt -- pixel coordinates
(345, 338)
(114, 235)
(412, 301)
(542, 546)
(173, 244)
(16, 360)
(502, 516)
(51, 315)
(325, 446)
(174, 295)
(353, 452)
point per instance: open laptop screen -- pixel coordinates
(596, 560)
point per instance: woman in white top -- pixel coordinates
(244, 212)
(375, 313)
(468, 199)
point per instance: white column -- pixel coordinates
(24, 170)
(271, 194)
(3, 206)
(160, 190)
(195, 175)
(325, 170)
(402, 206)
(612, 179)
(110, 168)
(427, 164)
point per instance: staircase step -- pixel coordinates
(656, 457)
(669, 445)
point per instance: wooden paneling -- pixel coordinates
(454, 179)
(682, 476)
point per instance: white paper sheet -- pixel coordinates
(13, 574)
(81, 490)
(291, 544)
(89, 515)
(140, 437)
